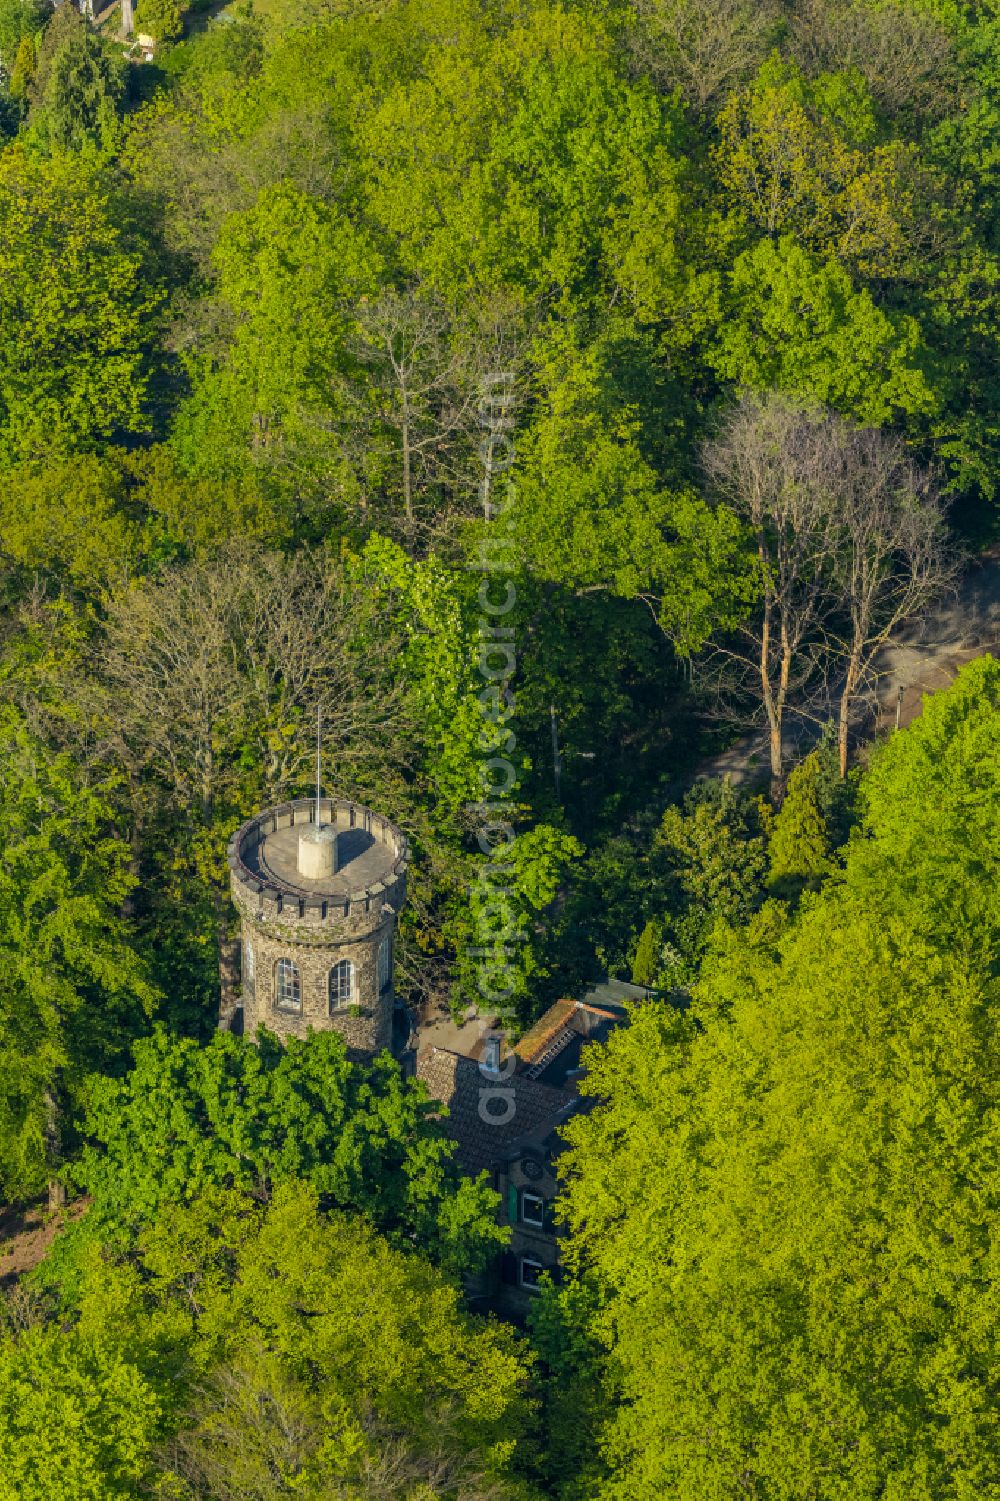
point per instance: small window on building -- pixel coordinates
(384, 964)
(248, 961)
(341, 984)
(531, 1273)
(287, 986)
(532, 1210)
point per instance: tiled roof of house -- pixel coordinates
(458, 1083)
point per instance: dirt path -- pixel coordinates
(925, 659)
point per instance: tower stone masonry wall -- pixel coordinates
(285, 916)
(366, 1026)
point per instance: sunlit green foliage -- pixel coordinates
(74, 989)
(808, 1161)
(254, 297)
(250, 1117)
(799, 850)
(76, 86)
(77, 1419)
(265, 1351)
(74, 310)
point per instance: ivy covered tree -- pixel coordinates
(77, 87)
(799, 850)
(19, 19)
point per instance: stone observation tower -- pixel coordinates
(318, 883)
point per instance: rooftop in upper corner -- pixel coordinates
(613, 994)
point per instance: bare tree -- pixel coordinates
(243, 649)
(430, 367)
(770, 461)
(23, 1306)
(422, 392)
(893, 555)
(221, 665)
(497, 337)
(312, 638)
(703, 47)
(906, 56)
(257, 1433)
(168, 664)
(851, 545)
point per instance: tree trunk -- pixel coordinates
(772, 708)
(225, 960)
(229, 974)
(842, 728)
(777, 738)
(53, 1149)
(777, 758)
(487, 479)
(407, 479)
(846, 699)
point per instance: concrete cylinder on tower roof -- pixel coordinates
(318, 851)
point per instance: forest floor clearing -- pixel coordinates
(26, 1235)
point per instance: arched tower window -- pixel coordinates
(287, 986)
(341, 984)
(384, 964)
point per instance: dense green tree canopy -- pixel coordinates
(647, 348)
(76, 1420)
(76, 87)
(74, 988)
(250, 1117)
(18, 19)
(269, 1352)
(808, 1162)
(74, 310)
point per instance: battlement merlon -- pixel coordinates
(366, 887)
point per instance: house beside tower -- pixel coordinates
(506, 1107)
(318, 884)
